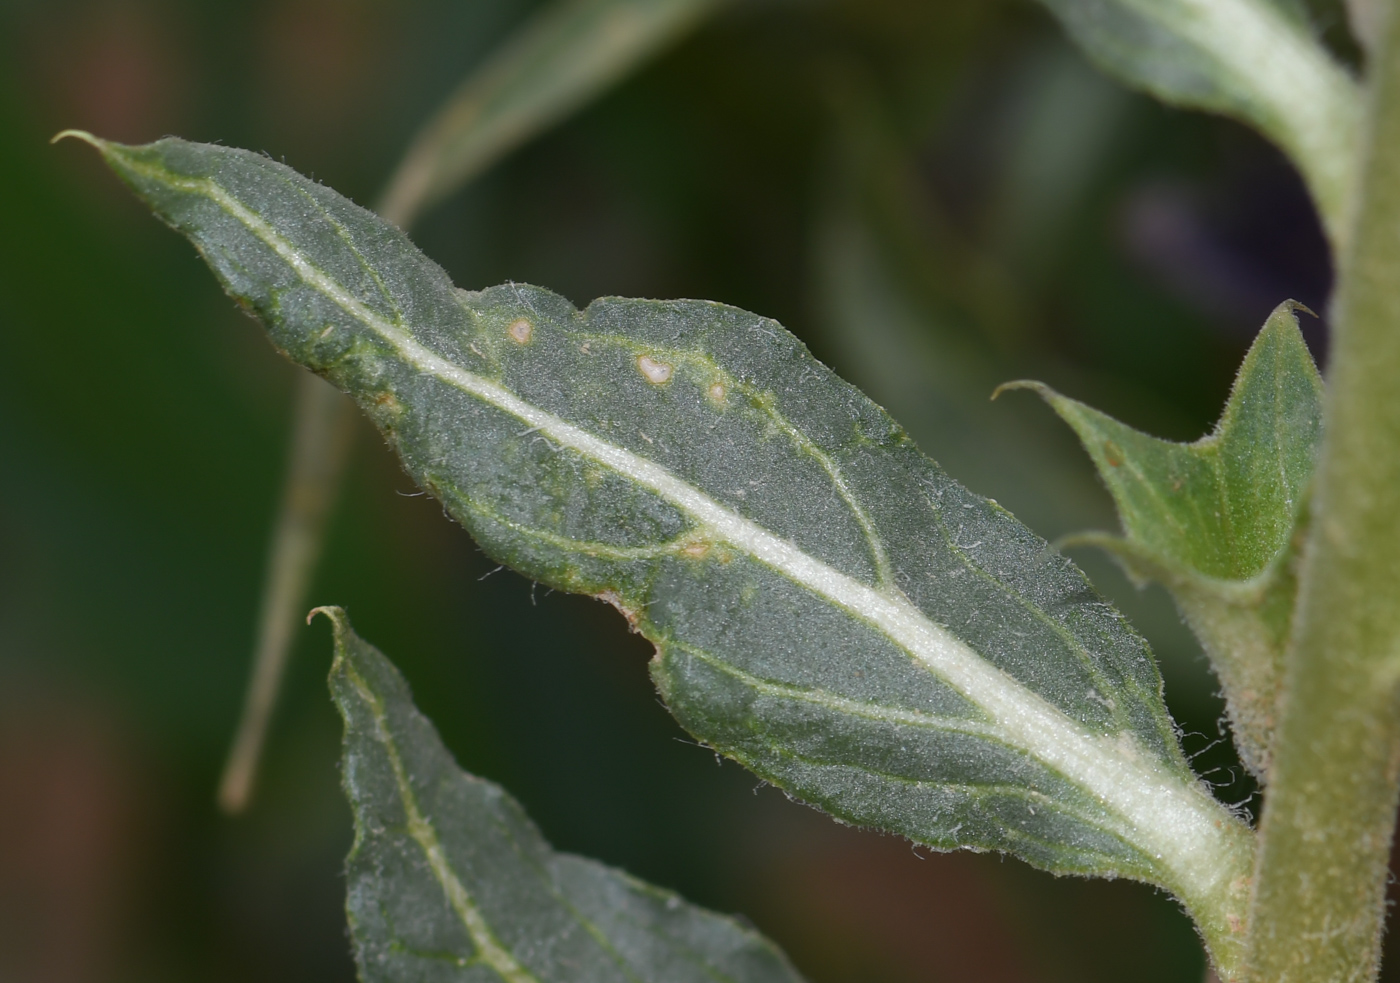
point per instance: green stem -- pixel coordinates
(1319, 901)
(320, 445)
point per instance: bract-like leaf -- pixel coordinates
(828, 606)
(450, 880)
(1215, 521)
(568, 53)
(1255, 60)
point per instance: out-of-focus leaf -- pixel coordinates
(1215, 521)
(1364, 18)
(567, 54)
(449, 879)
(320, 445)
(1255, 60)
(937, 382)
(925, 321)
(828, 606)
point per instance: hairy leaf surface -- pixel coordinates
(828, 606)
(1215, 521)
(566, 53)
(450, 880)
(1255, 60)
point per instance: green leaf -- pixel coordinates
(449, 879)
(567, 54)
(1215, 521)
(1254, 60)
(828, 606)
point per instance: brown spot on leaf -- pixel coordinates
(520, 331)
(387, 403)
(613, 598)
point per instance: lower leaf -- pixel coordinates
(450, 880)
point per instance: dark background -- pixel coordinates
(936, 195)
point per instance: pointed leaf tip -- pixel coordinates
(334, 612)
(82, 135)
(1015, 384)
(448, 873)
(1214, 521)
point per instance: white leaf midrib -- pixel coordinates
(489, 949)
(1172, 820)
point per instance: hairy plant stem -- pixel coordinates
(1318, 908)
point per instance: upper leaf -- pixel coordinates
(1255, 60)
(449, 879)
(828, 606)
(1214, 521)
(567, 52)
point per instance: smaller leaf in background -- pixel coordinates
(566, 55)
(1215, 521)
(320, 447)
(1254, 60)
(449, 879)
(927, 321)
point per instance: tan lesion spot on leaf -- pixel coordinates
(718, 394)
(712, 550)
(1112, 453)
(615, 599)
(520, 331)
(388, 404)
(656, 372)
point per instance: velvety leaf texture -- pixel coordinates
(1215, 521)
(1255, 60)
(828, 606)
(450, 880)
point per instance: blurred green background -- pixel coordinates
(936, 195)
